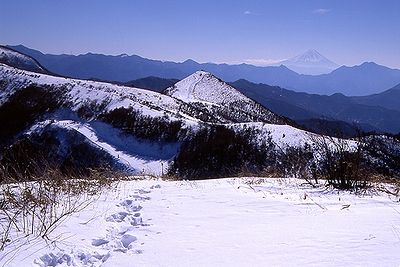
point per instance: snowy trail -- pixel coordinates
(226, 222)
(139, 165)
(108, 227)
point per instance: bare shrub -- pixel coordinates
(342, 162)
(217, 151)
(298, 162)
(35, 208)
(134, 122)
(383, 154)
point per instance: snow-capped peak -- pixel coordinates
(310, 62)
(220, 99)
(310, 55)
(204, 87)
(309, 58)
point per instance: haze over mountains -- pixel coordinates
(321, 113)
(325, 114)
(365, 79)
(311, 62)
(380, 112)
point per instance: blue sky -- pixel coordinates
(348, 32)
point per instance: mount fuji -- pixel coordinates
(310, 62)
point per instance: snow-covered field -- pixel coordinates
(226, 222)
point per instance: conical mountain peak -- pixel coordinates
(310, 62)
(309, 56)
(220, 100)
(204, 86)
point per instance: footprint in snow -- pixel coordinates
(130, 206)
(99, 242)
(138, 197)
(117, 217)
(52, 259)
(127, 239)
(119, 239)
(155, 186)
(74, 259)
(124, 229)
(142, 191)
(135, 221)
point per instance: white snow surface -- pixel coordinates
(225, 222)
(81, 92)
(310, 62)
(281, 135)
(142, 157)
(204, 87)
(311, 56)
(138, 156)
(220, 99)
(200, 87)
(284, 136)
(13, 57)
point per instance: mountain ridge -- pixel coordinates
(130, 128)
(16, 59)
(300, 107)
(199, 127)
(337, 106)
(206, 90)
(358, 80)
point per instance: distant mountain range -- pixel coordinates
(365, 79)
(324, 114)
(195, 127)
(389, 99)
(371, 113)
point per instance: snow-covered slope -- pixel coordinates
(207, 100)
(139, 156)
(310, 62)
(226, 222)
(205, 90)
(281, 135)
(213, 100)
(202, 86)
(129, 153)
(81, 92)
(18, 60)
(200, 99)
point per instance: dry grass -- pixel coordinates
(35, 208)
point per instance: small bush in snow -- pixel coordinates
(217, 151)
(152, 128)
(37, 207)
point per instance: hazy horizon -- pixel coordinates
(348, 33)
